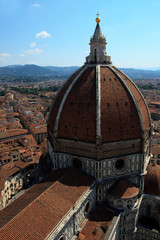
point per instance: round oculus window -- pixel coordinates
(121, 165)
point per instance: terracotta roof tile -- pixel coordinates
(119, 115)
(152, 178)
(155, 149)
(13, 133)
(58, 99)
(97, 225)
(29, 196)
(119, 119)
(48, 208)
(79, 112)
(140, 100)
(123, 189)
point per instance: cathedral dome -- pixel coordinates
(152, 180)
(99, 103)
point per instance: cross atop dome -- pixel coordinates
(98, 47)
(98, 19)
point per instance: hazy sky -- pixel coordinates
(57, 32)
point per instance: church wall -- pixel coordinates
(113, 232)
(91, 150)
(128, 223)
(103, 169)
(147, 234)
(150, 207)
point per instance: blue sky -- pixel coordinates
(57, 32)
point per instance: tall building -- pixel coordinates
(99, 133)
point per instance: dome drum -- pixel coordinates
(91, 150)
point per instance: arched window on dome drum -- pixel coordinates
(77, 163)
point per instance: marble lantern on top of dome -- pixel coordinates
(98, 47)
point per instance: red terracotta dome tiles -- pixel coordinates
(139, 98)
(58, 100)
(117, 108)
(78, 116)
(120, 118)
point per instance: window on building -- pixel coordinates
(96, 165)
(77, 163)
(119, 164)
(100, 175)
(95, 54)
(62, 238)
(148, 211)
(86, 209)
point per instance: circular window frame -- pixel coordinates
(88, 206)
(74, 159)
(62, 237)
(120, 164)
(122, 169)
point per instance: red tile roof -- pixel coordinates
(97, 225)
(58, 99)
(78, 117)
(155, 149)
(120, 118)
(40, 217)
(152, 180)
(13, 133)
(29, 196)
(123, 189)
(140, 100)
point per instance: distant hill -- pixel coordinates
(26, 70)
(141, 74)
(31, 70)
(64, 70)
